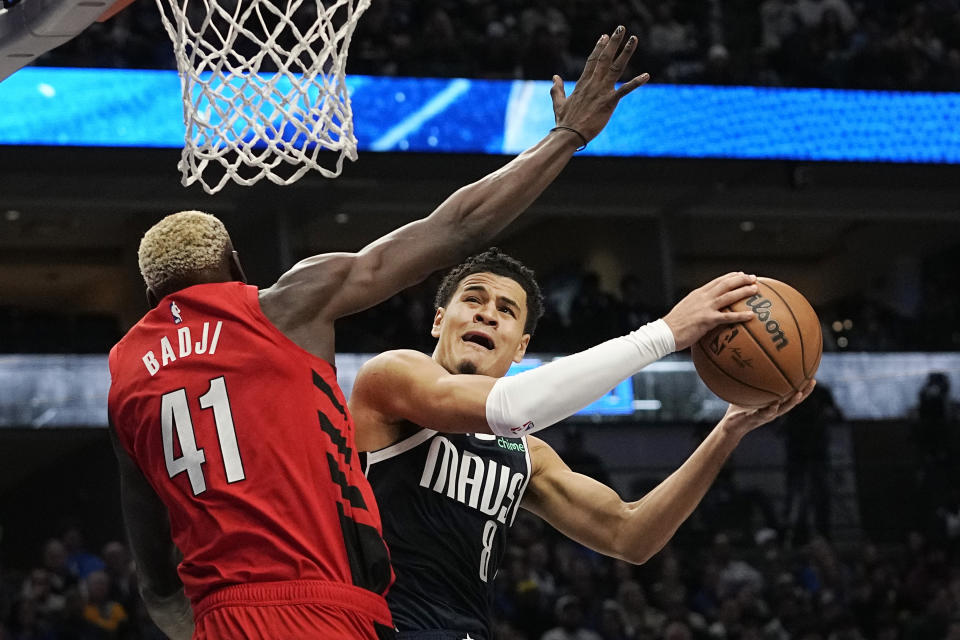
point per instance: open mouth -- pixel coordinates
(480, 339)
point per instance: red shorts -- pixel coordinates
(292, 611)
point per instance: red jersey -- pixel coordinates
(247, 440)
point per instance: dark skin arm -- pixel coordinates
(148, 529)
(307, 300)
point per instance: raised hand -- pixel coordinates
(588, 109)
(704, 308)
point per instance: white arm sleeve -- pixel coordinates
(538, 398)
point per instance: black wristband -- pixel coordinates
(580, 135)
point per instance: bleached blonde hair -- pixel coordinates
(179, 245)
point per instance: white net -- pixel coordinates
(264, 89)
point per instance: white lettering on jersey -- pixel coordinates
(216, 337)
(166, 351)
(466, 479)
(470, 479)
(151, 363)
(201, 347)
(186, 347)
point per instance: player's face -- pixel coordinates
(481, 328)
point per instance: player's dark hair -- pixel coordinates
(500, 264)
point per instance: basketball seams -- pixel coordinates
(756, 341)
(796, 323)
(781, 361)
(773, 360)
(723, 371)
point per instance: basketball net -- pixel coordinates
(264, 88)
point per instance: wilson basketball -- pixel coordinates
(767, 358)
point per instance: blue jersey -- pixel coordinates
(446, 502)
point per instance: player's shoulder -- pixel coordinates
(395, 360)
(535, 444)
(542, 455)
(315, 272)
(390, 373)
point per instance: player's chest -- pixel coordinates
(483, 474)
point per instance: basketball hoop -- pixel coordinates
(264, 88)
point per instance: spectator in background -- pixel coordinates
(500, 52)
(520, 596)
(812, 12)
(123, 581)
(673, 46)
(593, 313)
(901, 45)
(103, 613)
(438, 50)
(831, 47)
(27, 624)
(72, 625)
(569, 615)
(38, 590)
(735, 573)
(807, 434)
(633, 310)
(55, 563)
(741, 513)
(778, 21)
(935, 441)
(575, 453)
(542, 14)
(79, 561)
(612, 624)
(677, 630)
(953, 628)
(933, 415)
(668, 36)
(641, 618)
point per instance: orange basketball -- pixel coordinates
(767, 358)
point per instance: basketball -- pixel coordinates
(767, 358)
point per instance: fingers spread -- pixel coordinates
(593, 57)
(611, 47)
(624, 56)
(627, 87)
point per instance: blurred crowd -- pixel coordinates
(579, 313)
(724, 576)
(749, 564)
(893, 44)
(72, 593)
(760, 589)
(735, 571)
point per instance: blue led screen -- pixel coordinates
(129, 108)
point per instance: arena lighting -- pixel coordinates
(53, 391)
(137, 108)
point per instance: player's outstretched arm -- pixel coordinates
(148, 528)
(403, 386)
(330, 286)
(594, 515)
